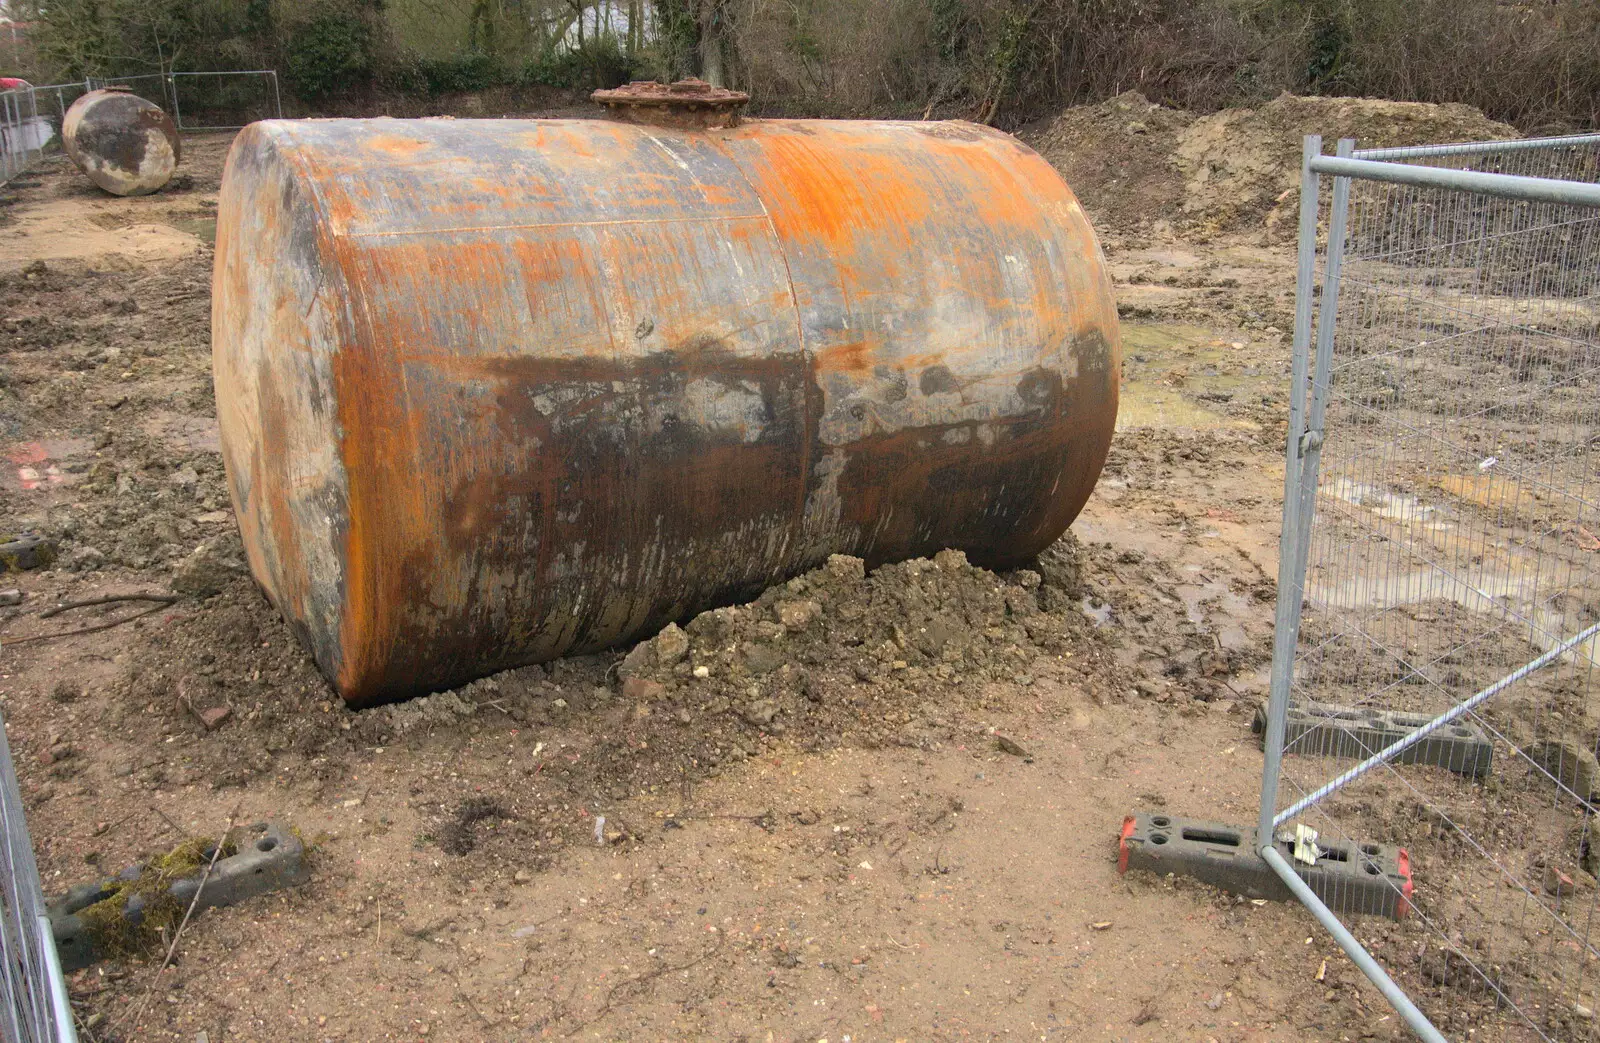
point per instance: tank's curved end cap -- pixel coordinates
(686, 105)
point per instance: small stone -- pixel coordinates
(1012, 747)
(702, 672)
(10, 597)
(685, 717)
(760, 659)
(636, 662)
(208, 568)
(640, 690)
(1583, 1012)
(199, 694)
(213, 717)
(796, 615)
(845, 568)
(1557, 882)
(55, 754)
(85, 559)
(522, 877)
(560, 704)
(760, 712)
(185, 478)
(1569, 763)
(671, 645)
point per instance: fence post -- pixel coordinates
(1460, 466)
(177, 116)
(1289, 579)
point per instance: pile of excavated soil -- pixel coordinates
(1136, 164)
(909, 655)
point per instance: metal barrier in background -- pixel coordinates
(200, 101)
(1441, 558)
(24, 133)
(31, 117)
(224, 100)
(33, 993)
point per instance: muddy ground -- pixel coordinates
(822, 838)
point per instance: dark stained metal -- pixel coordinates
(687, 104)
(496, 391)
(125, 144)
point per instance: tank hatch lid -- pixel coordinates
(686, 104)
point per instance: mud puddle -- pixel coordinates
(1182, 376)
(202, 228)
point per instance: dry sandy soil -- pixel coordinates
(823, 841)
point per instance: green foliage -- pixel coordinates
(467, 71)
(1002, 61)
(676, 48)
(77, 38)
(598, 63)
(1328, 41)
(329, 53)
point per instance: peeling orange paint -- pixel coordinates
(523, 388)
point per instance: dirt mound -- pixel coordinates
(1136, 164)
(1117, 156)
(919, 623)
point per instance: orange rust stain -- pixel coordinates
(853, 356)
(397, 146)
(853, 215)
(385, 501)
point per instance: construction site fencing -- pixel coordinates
(31, 117)
(24, 132)
(33, 993)
(1440, 572)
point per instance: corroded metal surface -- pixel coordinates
(495, 391)
(686, 104)
(125, 144)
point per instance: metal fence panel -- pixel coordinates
(31, 117)
(224, 100)
(24, 132)
(1442, 558)
(33, 993)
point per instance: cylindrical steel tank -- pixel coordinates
(127, 145)
(494, 391)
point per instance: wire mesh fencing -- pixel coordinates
(33, 994)
(24, 133)
(224, 100)
(202, 101)
(31, 117)
(1439, 613)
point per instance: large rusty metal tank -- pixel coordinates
(125, 144)
(494, 391)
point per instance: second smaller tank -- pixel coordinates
(125, 144)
